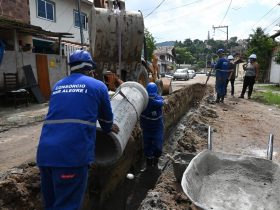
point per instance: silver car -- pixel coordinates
(192, 73)
(181, 74)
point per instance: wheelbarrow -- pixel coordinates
(221, 181)
(180, 161)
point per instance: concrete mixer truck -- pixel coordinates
(117, 43)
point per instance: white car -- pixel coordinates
(192, 73)
(181, 74)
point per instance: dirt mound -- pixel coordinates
(20, 188)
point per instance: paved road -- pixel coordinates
(199, 78)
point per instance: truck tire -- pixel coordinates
(159, 84)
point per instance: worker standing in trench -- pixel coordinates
(151, 122)
(67, 142)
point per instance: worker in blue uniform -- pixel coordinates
(67, 144)
(151, 122)
(221, 68)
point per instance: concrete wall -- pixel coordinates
(16, 10)
(13, 62)
(274, 71)
(64, 21)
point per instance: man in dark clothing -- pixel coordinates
(232, 71)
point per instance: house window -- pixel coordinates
(46, 9)
(83, 20)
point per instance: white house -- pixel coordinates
(166, 55)
(60, 16)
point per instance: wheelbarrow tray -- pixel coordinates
(217, 181)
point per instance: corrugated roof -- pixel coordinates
(30, 29)
(165, 50)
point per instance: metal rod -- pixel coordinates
(270, 147)
(209, 138)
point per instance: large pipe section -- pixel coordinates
(130, 100)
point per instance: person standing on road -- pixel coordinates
(251, 75)
(67, 143)
(151, 121)
(232, 72)
(221, 68)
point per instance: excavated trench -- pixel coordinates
(108, 188)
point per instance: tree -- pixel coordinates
(150, 44)
(184, 56)
(261, 45)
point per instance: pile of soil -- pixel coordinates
(20, 188)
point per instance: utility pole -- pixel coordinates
(214, 27)
(80, 22)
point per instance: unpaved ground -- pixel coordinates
(240, 126)
(18, 145)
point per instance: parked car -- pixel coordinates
(192, 73)
(181, 74)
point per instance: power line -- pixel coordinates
(184, 15)
(266, 14)
(262, 17)
(179, 7)
(155, 8)
(272, 23)
(226, 12)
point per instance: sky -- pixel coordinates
(170, 20)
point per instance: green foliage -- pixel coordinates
(267, 98)
(270, 87)
(150, 43)
(184, 56)
(261, 45)
(199, 52)
(201, 64)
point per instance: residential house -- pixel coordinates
(167, 58)
(60, 16)
(16, 36)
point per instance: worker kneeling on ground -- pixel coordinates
(67, 142)
(151, 122)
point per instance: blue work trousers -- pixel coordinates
(153, 142)
(221, 84)
(63, 188)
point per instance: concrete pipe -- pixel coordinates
(130, 100)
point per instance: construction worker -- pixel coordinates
(67, 142)
(221, 68)
(151, 122)
(252, 70)
(231, 71)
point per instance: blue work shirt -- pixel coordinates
(69, 131)
(152, 117)
(221, 68)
